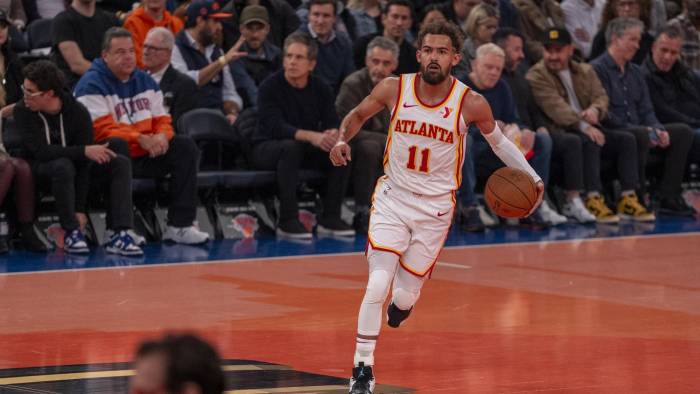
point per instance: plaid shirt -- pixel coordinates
(691, 41)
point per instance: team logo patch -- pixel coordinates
(245, 224)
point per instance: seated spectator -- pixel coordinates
(367, 16)
(457, 11)
(263, 58)
(673, 87)
(537, 16)
(150, 14)
(15, 9)
(10, 69)
(368, 145)
(485, 79)
(623, 8)
(77, 37)
(125, 102)
(689, 23)
(512, 42)
(58, 136)
(42, 9)
(298, 127)
(509, 16)
(283, 20)
(179, 91)
(574, 101)
(479, 27)
(581, 18)
(396, 21)
(334, 61)
(344, 22)
(16, 172)
(430, 14)
(177, 364)
(631, 110)
(198, 56)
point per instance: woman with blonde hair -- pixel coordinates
(480, 26)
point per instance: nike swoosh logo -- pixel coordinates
(442, 213)
(409, 105)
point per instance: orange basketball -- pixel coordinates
(510, 193)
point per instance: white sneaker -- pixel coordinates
(185, 235)
(139, 240)
(576, 210)
(550, 215)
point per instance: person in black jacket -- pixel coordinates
(57, 133)
(179, 91)
(673, 87)
(298, 127)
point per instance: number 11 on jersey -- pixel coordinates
(424, 159)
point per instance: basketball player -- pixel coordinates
(414, 202)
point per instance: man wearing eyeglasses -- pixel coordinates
(179, 91)
(57, 132)
(125, 102)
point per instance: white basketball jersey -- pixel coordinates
(425, 148)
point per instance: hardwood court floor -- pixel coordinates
(618, 315)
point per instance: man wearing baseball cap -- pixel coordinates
(264, 58)
(197, 55)
(573, 99)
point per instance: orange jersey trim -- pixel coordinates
(398, 101)
(423, 104)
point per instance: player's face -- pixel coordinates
(513, 48)
(556, 57)
(121, 57)
(628, 43)
(380, 63)
(296, 61)
(488, 69)
(321, 19)
(666, 52)
(397, 21)
(436, 57)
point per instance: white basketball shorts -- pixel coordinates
(410, 225)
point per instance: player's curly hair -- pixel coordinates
(442, 28)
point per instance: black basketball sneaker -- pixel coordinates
(362, 380)
(395, 315)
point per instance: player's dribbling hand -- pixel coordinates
(540, 197)
(340, 154)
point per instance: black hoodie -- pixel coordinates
(49, 137)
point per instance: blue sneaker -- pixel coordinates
(122, 243)
(74, 242)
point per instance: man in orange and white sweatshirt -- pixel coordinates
(126, 103)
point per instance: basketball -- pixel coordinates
(510, 193)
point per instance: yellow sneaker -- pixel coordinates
(630, 208)
(603, 214)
